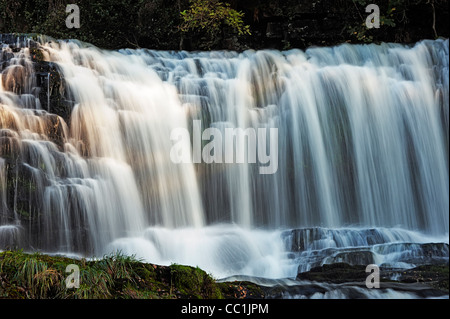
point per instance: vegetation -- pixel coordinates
(117, 276)
(226, 24)
(393, 13)
(37, 276)
(109, 24)
(212, 16)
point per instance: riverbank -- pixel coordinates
(40, 276)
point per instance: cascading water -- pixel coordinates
(362, 157)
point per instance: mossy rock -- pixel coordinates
(36, 55)
(113, 276)
(242, 290)
(436, 276)
(193, 282)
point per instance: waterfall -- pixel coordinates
(362, 144)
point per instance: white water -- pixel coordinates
(362, 144)
(221, 250)
(227, 250)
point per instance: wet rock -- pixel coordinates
(357, 257)
(335, 273)
(34, 77)
(302, 239)
(14, 78)
(17, 41)
(431, 278)
(52, 90)
(436, 276)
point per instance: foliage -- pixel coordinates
(31, 275)
(220, 24)
(393, 13)
(40, 276)
(211, 15)
(108, 24)
(116, 275)
(361, 32)
(157, 24)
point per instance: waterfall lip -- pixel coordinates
(415, 235)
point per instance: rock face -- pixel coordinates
(37, 88)
(38, 82)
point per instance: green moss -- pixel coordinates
(193, 282)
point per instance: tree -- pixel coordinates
(211, 16)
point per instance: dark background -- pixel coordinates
(278, 24)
